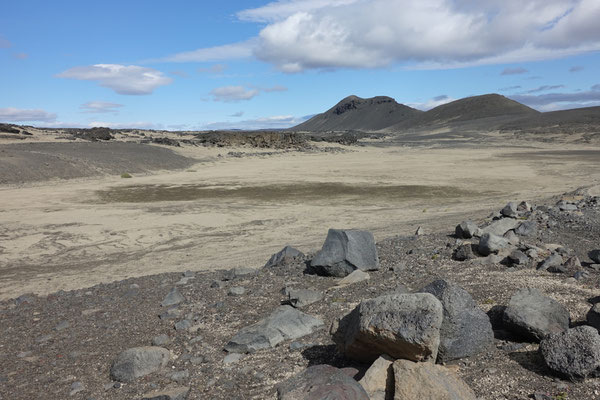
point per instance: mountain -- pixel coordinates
(355, 113)
(557, 120)
(488, 106)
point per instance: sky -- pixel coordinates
(196, 65)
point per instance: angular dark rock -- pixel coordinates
(173, 298)
(574, 353)
(534, 316)
(466, 230)
(345, 251)
(593, 316)
(491, 243)
(517, 257)
(299, 298)
(510, 210)
(464, 252)
(594, 255)
(552, 263)
(527, 228)
(287, 255)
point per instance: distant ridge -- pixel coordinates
(355, 113)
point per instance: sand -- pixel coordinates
(228, 211)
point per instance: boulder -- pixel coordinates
(378, 381)
(399, 325)
(299, 298)
(464, 252)
(527, 228)
(284, 323)
(428, 381)
(321, 382)
(574, 353)
(491, 243)
(172, 298)
(512, 238)
(466, 330)
(593, 316)
(466, 230)
(534, 316)
(594, 255)
(552, 263)
(510, 210)
(501, 226)
(345, 251)
(517, 257)
(287, 255)
(137, 362)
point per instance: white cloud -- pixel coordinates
(233, 93)
(123, 79)
(18, 115)
(216, 53)
(98, 107)
(275, 122)
(432, 103)
(561, 101)
(278, 10)
(126, 125)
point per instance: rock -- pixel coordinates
(501, 226)
(552, 263)
(287, 255)
(428, 381)
(593, 316)
(236, 291)
(512, 238)
(510, 210)
(564, 206)
(400, 325)
(171, 313)
(524, 207)
(76, 387)
(420, 231)
(574, 353)
(173, 393)
(466, 230)
(464, 252)
(183, 325)
(527, 228)
(299, 298)
(491, 243)
(188, 274)
(217, 285)
(378, 381)
(579, 275)
(232, 358)
(533, 316)
(466, 330)
(240, 272)
(180, 376)
(161, 340)
(321, 382)
(352, 278)
(173, 298)
(345, 251)
(594, 255)
(284, 323)
(26, 298)
(517, 257)
(137, 362)
(572, 263)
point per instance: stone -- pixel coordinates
(524, 207)
(321, 382)
(420, 231)
(137, 362)
(173, 393)
(232, 358)
(466, 230)
(299, 298)
(517, 257)
(180, 376)
(491, 243)
(217, 285)
(76, 387)
(579, 275)
(345, 251)
(378, 381)
(510, 210)
(428, 381)
(564, 206)
(161, 340)
(352, 278)
(399, 325)
(62, 325)
(527, 228)
(284, 323)
(464, 252)
(466, 330)
(594, 255)
(188, 274)
(171, 313)
(286, 256)
(593, 316)
(512, 238)
(236, 291)
(574, 353)
(500, 226)
(239, 272)
(533, 316)
(552, 263)
(173, 298)
(183, 325)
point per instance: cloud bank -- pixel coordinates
(561, 101)
(123, 79)
(19, 115)
(275, 122)
(99, 107)
(232, 94)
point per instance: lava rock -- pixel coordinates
(510, 210)
(466, 230)
(464, 252)
(501, 226)
(534, 316)
(594, 255)
(552, 263)
(345, 251)
(173, 298)
(517, 257)
(299, 298)
(593, 316)
(527, 228)
(491, 243)
(137, 362)
(286, 256)
(574, 353)
(400, 325)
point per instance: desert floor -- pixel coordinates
(227, 211)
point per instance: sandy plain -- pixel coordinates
(226, 211)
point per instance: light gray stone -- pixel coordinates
(510, 210)
(490, 243)
(552, 263)
(299, 298)
(137, 362)
(345, 251)
(501, 226)
(321, 382)
(527, 228)
(173, 298)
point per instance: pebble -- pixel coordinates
(236, 291)
(232, 358)
(161, 340)
(76, 387)
(180, 376)
(183, 325)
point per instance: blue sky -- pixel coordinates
(261, 64)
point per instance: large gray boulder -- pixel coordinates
(594, 255)
(490, 243)
(284, 323)
(321, 382)
(527, 228)
(428, 381)
(466, 330)
(510, 210)
(466, 229)
(534, 316)
(345, 251)
(399, 325)
(137, 362)
(500, 226)
(285, 256)
(574, 353)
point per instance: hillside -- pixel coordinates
(580, 119)
(355, 113)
